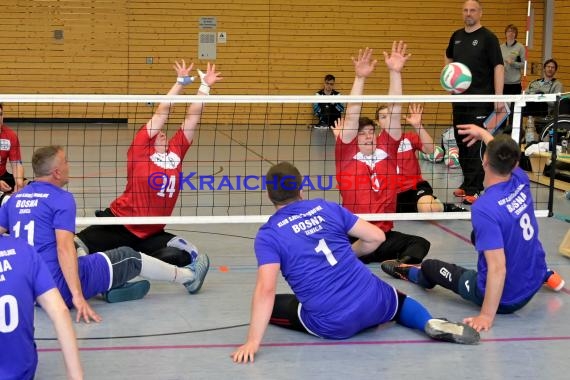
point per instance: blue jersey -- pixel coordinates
(504, 218)
(34, 214)
(23, 278)
(339, 295)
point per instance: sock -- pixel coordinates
(548, 273)
(413, 314)
(154, 269)
(413, 274)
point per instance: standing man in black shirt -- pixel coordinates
(478, 48)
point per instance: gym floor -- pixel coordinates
(173, 335)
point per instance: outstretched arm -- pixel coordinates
(54, 306)
(155, 124)
(194, 110)
(474, 133)
(363, 66)
(415, 119)
(261, 309)
(395, 62)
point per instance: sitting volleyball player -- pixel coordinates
(150, 155)
(415, 193)
(335, 294)
(43, 215)
(366, 160)
(511, 264)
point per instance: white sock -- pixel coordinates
(154, 269)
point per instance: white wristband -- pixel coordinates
(205, 89)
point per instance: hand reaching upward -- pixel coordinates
(364, 64)
(396, 60)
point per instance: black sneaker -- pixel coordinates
(453, 332)
(397, 269)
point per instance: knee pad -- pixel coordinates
(184, 245)
(173, 256)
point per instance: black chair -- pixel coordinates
(564, 108)
(536, 109)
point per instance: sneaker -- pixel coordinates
(459, 193)
(470, 199)
(129, 291)
(454, 332)
(450, 207)
(200, 268)
(554, 281)
(397, 269)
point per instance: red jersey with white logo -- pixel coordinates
(367, 184)
(152, 181)
(408, 165)
(9, 148)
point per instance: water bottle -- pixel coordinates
(530, 133)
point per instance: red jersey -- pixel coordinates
(152, 181)
(408, 165)
(9, 148)
(367, 184)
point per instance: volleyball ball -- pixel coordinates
(452, 158)
(436, 156)
(455, 78)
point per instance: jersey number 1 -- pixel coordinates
(322, 247)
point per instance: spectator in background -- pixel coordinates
(327, 113)
(513, 59)
(10, 150)
(548, 84)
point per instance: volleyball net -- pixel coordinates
(238, 140)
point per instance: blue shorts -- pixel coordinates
(94, 275)
(376, 306)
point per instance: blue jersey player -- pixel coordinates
(511, 265)
(43, 214)
(335, 294)
(25, 279)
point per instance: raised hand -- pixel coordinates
(364, 64)
(338, 127)
(396, 60)
(414, 117)
(211, 76)
(181, 69)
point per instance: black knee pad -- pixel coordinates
(172, 256)
(442, 273)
